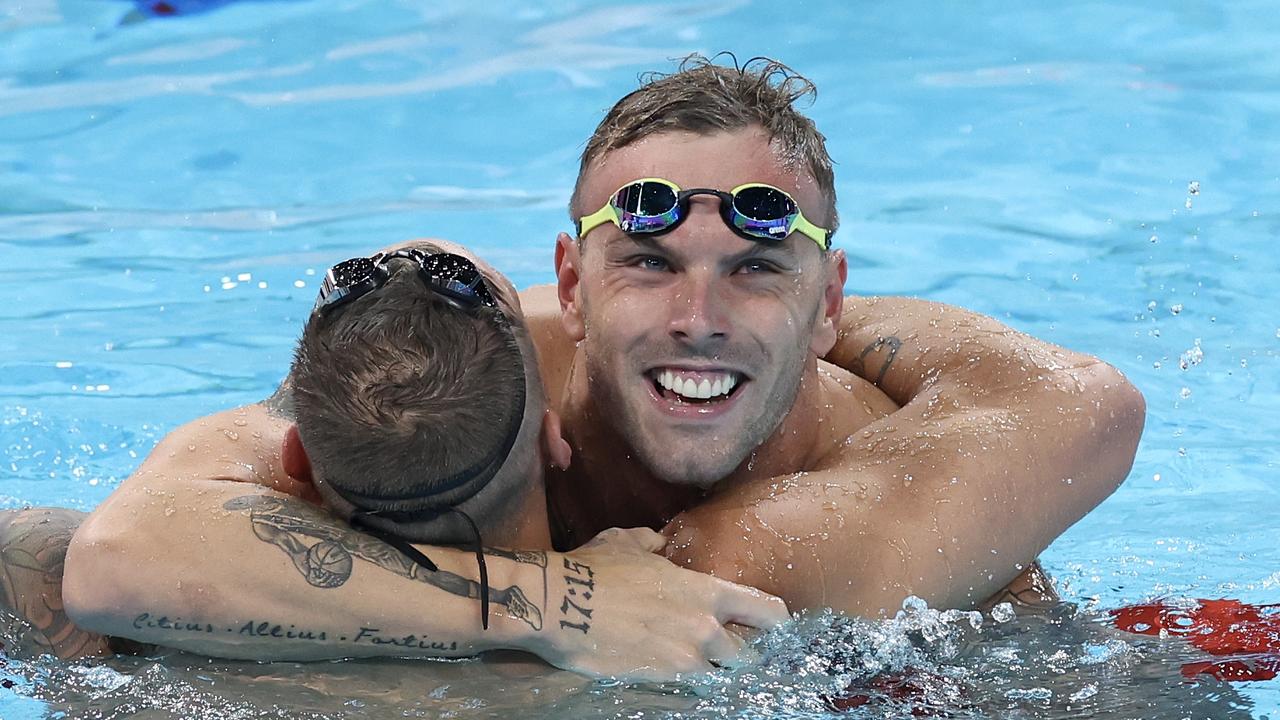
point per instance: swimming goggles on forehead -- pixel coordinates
(452, 276)
(755, 211)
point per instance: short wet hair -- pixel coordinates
(400, 389)
(704, 97)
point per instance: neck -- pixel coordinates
(605, 487)
(527, 527)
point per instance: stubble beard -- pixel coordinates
(688, 462)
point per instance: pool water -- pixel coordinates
(1100, 175)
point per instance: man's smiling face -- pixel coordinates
(696, 340)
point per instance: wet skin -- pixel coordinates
(699, 301)
(775, 485)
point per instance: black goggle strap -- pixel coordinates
(360, 522)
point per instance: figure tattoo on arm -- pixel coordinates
(327, 562)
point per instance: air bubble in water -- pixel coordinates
(1176, 308)
(1187, 204)
(1084, 693)
(1151, 306)
(1002, 613)
(1184, 393)
(1193, 187)
(1191, 357)
(1155, 239)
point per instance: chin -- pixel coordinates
(675, 464)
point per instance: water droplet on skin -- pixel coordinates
(239, 422)
(191, 448)
(231, 435)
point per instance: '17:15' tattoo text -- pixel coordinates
(579, 587)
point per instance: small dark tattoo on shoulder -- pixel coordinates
(890, 346)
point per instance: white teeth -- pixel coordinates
(704, 388)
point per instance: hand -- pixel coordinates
(617, 609)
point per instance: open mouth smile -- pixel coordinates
(696, 387)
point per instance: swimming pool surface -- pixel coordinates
(1100, 175)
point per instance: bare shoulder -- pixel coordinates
(241, 444)
(555, 350)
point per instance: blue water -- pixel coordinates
(1100, 175)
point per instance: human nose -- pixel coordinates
(698, 316)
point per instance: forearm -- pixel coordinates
(249, 573)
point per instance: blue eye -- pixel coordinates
(753, 267)
(651, 262)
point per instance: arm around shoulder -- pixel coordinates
(1002, 442)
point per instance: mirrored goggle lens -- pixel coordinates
(459, 277)
(765, 204)
(646, 207)
(763, 212)
(351, 272)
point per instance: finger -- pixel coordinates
(724, 649)
(750, 607)
(648, 540)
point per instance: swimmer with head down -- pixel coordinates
(415, 412)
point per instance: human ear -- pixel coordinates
(555, 448)
(835, 272)
(294, 457)
(568, 286)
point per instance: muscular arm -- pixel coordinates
(33, 545)
(1002, 443)
(197, 551)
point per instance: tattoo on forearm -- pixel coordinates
(890, 345)
(256, 628)
(327, 562)
(33, 547)
(579, 585)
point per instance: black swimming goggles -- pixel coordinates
(454, 277)
(755, 211)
